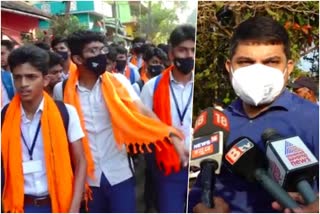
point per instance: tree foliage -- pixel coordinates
(65, 25)
(215, 25)
(162, 22)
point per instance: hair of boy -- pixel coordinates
(121, 50)
(55, 59)
(78, 40)
(8, 44)
(112, 54)
(260, 29)
(182, 33)
(157, 52)
(57, 40)
(138, 40)
(42, 45)
(35, 56)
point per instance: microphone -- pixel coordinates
(244, 158)
(292, 165)
(210, 132)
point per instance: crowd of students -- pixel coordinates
(74, 114)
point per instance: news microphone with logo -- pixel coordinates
(244, 158)
(291, 163)
(211, 130)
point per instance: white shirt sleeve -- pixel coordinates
(57, 92)
(146, 94)
(136, 87)
(75, 131)
(123, 80)
(4, 96)
(136, 74)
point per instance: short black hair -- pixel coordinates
(32, 54)
(138, 39)
(58, 40)
(8, 44)
(152, 51)
(42, 45)
(79, 39)
(164, 47)
(121, 50)
(112, 54)
(182, 33)
(54, 59)
(260, 29)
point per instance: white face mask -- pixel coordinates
(257, 84)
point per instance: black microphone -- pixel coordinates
(244, 158)
(292, 165)
(210, 132)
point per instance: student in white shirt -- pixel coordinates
(40, 175)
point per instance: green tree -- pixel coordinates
(215, 25)
(162, 22)
(65, 25)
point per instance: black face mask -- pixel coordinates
(97, 64)
(155, 70)
(120, 65)
(184, 65)
(63, 54)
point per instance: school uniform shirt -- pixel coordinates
(36, 183)
(108, 159)
(4, 96)
(136, 88)
(182, 93)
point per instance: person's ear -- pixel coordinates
(228, 65)
(290, 66)
(46, 80)
(77, 59)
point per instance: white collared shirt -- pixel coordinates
(36, 183)
(108, 159)
(182, 94)
(4, 96)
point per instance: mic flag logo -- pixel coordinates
(238, 150)
(295, 155)
(204, 148)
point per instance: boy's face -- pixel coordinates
(29, 82)
(55, 74)
(184, 50)
(271, 55)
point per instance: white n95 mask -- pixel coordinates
(257, 84)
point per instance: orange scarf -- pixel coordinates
(134, 60)
(127, 72)
(169, 159)
(72, 67)
(56, 153)
(130, 127)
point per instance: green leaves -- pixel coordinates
(212, 83)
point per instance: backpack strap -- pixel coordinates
(157, 82)
(7, 83)
(3, 113)
(64, 114)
